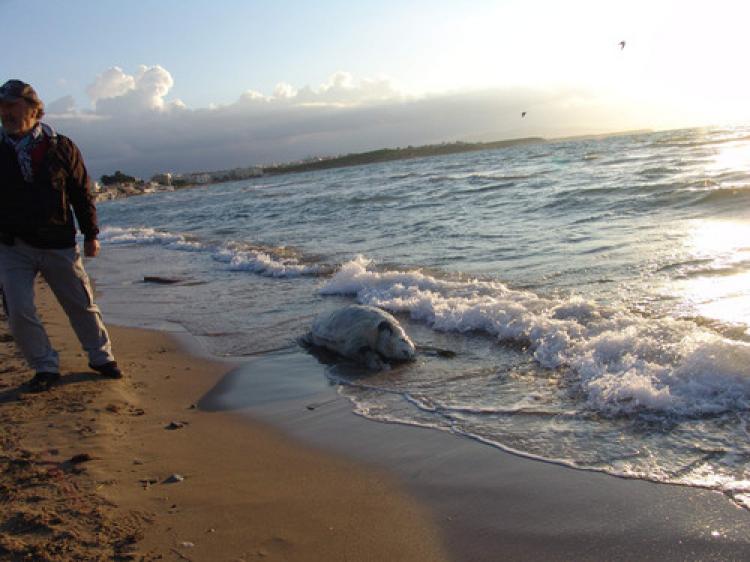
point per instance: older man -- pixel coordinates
(43, 185)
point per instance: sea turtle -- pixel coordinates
(364, 334)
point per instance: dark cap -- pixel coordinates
(14, 90)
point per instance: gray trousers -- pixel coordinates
(64, 273)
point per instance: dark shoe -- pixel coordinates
(109, 369)
(43, 381)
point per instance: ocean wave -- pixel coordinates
(625, 159)
(697, 138)
(718, 195)
(622, 363)
(490, 175)
(711, 268)
(375, 198)
(659, 171)
(263, 263)
(407, 175)
(269, 262)
(115, 235)
(484, 188)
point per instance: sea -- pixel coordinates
(594, 294)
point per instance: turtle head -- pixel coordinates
(393, 342)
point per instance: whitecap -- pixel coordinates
(622, 362)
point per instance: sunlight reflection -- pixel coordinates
(715, 280)
(732, 157)
(726, 241)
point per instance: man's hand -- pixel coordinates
(91, 248)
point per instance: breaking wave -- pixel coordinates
(623, 363)
(269, 262)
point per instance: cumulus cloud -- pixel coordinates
(341, 89)
(252, 96)
(115, 92)
(284, 91)
(110, 83)
(134, 127)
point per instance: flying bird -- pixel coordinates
(523, 114)
(622, 45)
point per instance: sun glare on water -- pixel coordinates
(734, 156)
(716, 284)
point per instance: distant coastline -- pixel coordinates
(389, 154)
(169, 182)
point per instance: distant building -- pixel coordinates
(199, 178)
(242, 173)
(164, 178)
(150, 187)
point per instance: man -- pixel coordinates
(43, 177)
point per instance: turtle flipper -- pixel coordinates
(371, 359)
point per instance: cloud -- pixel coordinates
(341, 89)
(134, 127)
(284, 91)
(63, 105)
(110, 84)
(116, 93)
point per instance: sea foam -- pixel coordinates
(622, 362)
(115, 235)
(238, 256)
(263, 263)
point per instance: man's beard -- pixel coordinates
(10, 125)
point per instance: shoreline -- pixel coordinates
(448, 497)
(491, 504)
(91, 470)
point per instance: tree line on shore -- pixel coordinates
(318, 163)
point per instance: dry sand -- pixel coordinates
(85, 469)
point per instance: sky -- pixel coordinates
(187, 85)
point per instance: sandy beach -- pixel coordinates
(270, 463)
(86, 470)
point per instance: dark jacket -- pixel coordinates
(39, 213)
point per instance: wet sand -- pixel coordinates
(492, 505)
